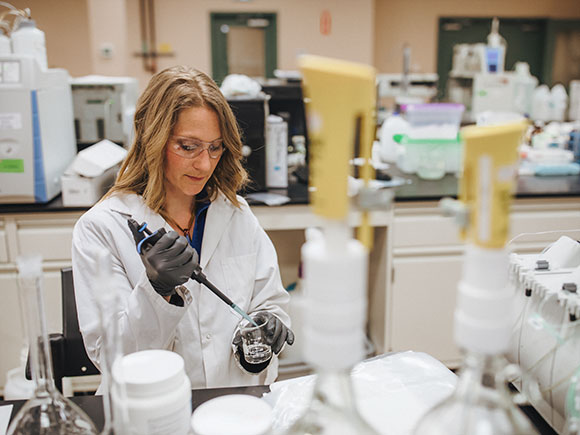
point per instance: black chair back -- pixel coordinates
(76, 360)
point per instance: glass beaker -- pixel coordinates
(48, 412)
(254, 344)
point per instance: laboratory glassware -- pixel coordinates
(48, 411)
(481, 403)
(107, 301)
(254, 343)
(332, 410)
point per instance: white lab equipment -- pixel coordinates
(335, 266)
(389, 148)
(157, 392)
(28, 39)
(541, 104)
(558, 103)
(104, 108)
(574, 113)
(523, 87)
(545, 337)
(91, 173)
(36, 129)
(481, 403)
(276, 152)
(232, 414)
(495, 50)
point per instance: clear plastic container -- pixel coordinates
(434, 120)
(431, 159)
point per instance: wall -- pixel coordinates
(185, 27)
(66, 27)
(416, 22)
(78, 29)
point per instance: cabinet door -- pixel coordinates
(424, 293)
(13, 334)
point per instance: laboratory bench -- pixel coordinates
(93, 405)
(414, 266)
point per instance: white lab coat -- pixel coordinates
(236, 256)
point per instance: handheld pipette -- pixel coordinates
(146, 239)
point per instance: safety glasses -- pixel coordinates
(191, 148)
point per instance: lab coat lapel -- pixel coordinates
(219, 214)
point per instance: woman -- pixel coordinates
(182, 174)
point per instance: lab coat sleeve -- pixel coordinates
(269, 294)
(146, 320)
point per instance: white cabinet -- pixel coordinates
(48, 234)
(427, 258)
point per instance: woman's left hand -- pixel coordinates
(276, 332)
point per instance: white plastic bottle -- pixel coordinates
(558, 103)
(541, 104)
(276, 152)
(524, 86)
(5, 46)
(574, 113)
(28, 39)
(394, 124)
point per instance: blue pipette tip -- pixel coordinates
(244, 314)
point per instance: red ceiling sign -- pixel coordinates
(325, 22)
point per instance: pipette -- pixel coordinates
(146, 239)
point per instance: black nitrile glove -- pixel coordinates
(169, 262)
(276, 332)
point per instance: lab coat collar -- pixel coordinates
(219, 214)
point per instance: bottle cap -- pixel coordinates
(27, 22)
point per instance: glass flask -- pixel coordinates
(48, 412)
(332, 410)
(107, 301)
(481, 403)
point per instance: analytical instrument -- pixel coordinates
(104, 108)
(545, 338)
(36, 129)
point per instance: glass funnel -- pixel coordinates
(480, 405)
(332, 410)
(48, 411)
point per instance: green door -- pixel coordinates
(243, 43)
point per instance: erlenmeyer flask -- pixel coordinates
(48, 412)
(333, 408)
(481, 403)
(334, 329)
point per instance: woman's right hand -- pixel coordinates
(169, 262)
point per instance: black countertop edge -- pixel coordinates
(417, 190)
(93, 405)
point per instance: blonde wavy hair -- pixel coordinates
(158, 108)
